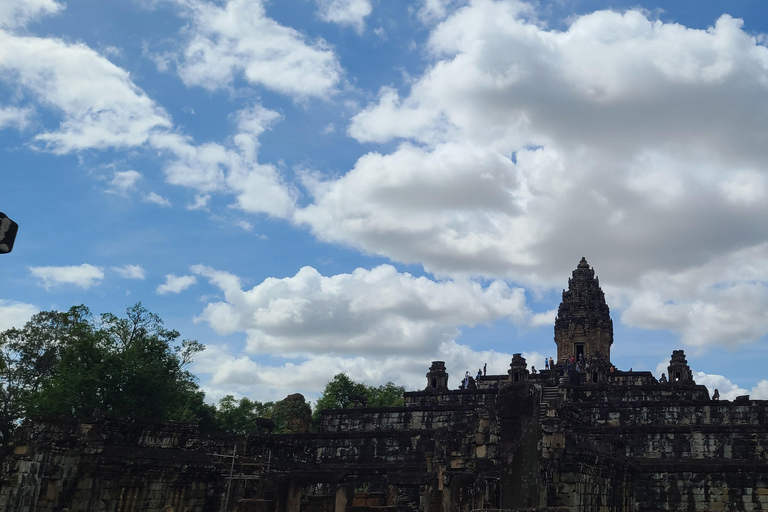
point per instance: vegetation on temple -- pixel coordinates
(341, 392)
(73, 365)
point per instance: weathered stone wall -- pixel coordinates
(587, 447)
(683, 454)
(467, 397)
(105, 466)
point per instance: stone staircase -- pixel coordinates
(548, 394)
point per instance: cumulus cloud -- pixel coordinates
(436, 10)
(728, 390)
(15, 314)
(175, 284)
(100, 105)
(123, 182)
(723, 301)
(243, 374)
(200, 202)
(157, 199)
(15, 117)
(131, 271)
(16, 13)
(234, 168)
(237, 39)
(345, 12)
(374, 311)
(84, 276)
(526, 147)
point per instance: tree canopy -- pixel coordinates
(341, 392)
(73, 364)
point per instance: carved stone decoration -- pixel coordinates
(437, 377)
(518, 370)
(583, 326)
(597, 368)
(678, 369)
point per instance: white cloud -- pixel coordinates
(200, 202)
(238, 39)
(521, 149)
(728, 390)
(723, 301)
(175, 284)
(446, 208)
(15, 314)
(544, 319)
(345, 12)
(156, 198)
(131, 271)
(247, 226)
(242, 374)
(15, 13)
(15, 117)
(436, 10)
(84, 276)
(100, 105)
(123, 182)
(212, 167)
(374, 311)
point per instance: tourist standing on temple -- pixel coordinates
(546, 363)
(485, 367)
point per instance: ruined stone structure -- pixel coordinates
(583, 326)
(589, 440)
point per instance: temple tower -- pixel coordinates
(437, 377)
(583, 325)
(518, 370)
(678, 368)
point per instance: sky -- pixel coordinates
(310, 187)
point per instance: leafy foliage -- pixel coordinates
(240, 417)
(341, 392)
(68, 364)
(292, 415)
(71, 364)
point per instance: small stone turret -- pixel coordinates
(437, 377)
(678, 369)
(518, 370)
(583, 326)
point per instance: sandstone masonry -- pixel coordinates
(596, 439)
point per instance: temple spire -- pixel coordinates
(583, 325)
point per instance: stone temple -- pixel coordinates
(588, 439)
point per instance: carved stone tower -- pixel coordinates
(518, 370)
(678, 368)
(437, 377)
(583, 325)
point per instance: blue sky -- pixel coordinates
(316, 186)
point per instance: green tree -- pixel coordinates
(292, 415)
(30, 356)
(388, 395)
(123, 366)
(240, 417)
(341, 392)
(68, 364)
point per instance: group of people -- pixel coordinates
(480, 373)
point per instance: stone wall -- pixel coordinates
(116, 465)
(629, 444)
(671, 449)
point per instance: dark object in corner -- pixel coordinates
(8, 230)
